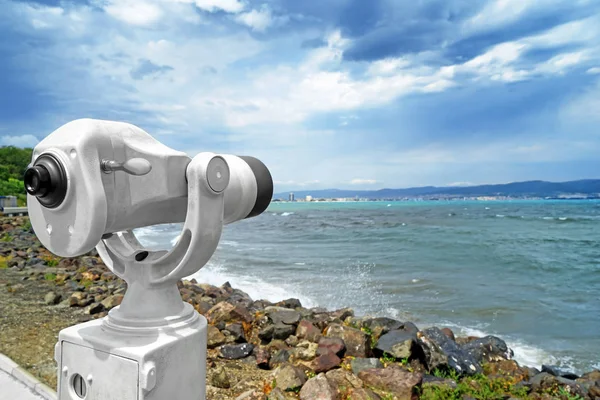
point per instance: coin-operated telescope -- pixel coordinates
(89, 185)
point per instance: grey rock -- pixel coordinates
(487, 349)
(289, 377)
(398, 343)
(557, 371)
(236, 351)
(360, 364)
(440, 351)
(52, 298)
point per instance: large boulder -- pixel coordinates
(318, 388)
(280, 315)
(487, 349)
(289, 378)
(360, 364)
(557, 371)
(397, 343)
(401, 384)
(355, 340)
(331, 345)
(226, 312)
(342, 381)
(507, 369)
(325, 362)
(306, 330)
(215, 337)
(545, 383)
(440, 352)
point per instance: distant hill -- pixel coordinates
(589, 187)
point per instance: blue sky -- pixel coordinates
(338, 93)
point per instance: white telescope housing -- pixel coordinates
(90, 184)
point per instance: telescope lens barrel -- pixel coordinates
(264, 185)
(47, 181)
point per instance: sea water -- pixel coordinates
(526, 271)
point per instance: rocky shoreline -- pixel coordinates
(264, 350)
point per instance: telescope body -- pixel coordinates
(89, 185)
(97, 202)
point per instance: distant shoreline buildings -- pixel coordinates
(310, 199)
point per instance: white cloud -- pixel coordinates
(593, 71)
(230, 6)
(19, 141)
(358, 181)
(134, 12)
(256, 20)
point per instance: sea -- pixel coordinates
(526, 271)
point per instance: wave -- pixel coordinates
(258, 289)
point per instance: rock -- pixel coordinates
(226, 312)
(354, 339)
(215, 337)
(94, 308)
(277, 394)
(289, 377)
(280, 315)
(220, 378)
(292, 341)
(342, 381)
(557, 371)
(317, 388)
(434, 381)
(398, 343)
(360, 364)
(85, 302)
(331, 345)
(507, 369)
(306, 330)
(236, 351)
(262, 357)
(325, 362)
(280, 357)
(382, 325)
(289, 303)
(34, 261)
(75, 298)
(400, 383)
(362, 394)
(448, 332)
(439, 351)
(236, 331)
(112, 301)
(487, 349)
(52, 298)
(306, 350)
(545, 382)
(254, 394)
(266, 333)
(282, 331)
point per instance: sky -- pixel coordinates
(328, 94)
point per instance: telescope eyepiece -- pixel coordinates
(46, 179)
(264, 185)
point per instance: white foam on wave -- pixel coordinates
(257, 289)
(285, 214)
(500, 216)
